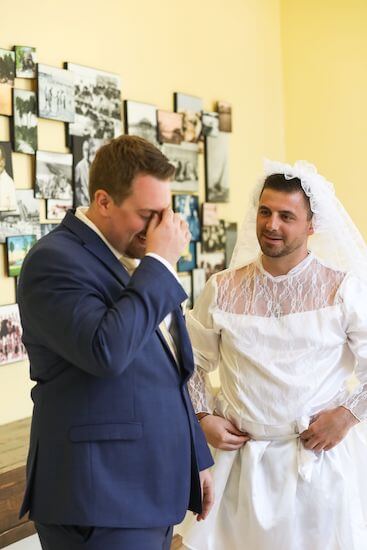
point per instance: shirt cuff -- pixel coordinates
(165, 263)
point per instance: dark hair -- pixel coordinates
(118, 162)
(278, 182)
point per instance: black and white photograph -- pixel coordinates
(198, 283)
(170, 127)
(141, 120)
(98, 107)
(210, 215)
(8, 201)
(23, 221)
(188, 262)
(230, 238)
(191, 107)
(45, 228)
(55, 93)
(217, 168)
(214, 237)
(7, 75)
(11, 345)
(186, 282)
(57, 208)
(188, 207)
(225, 116)
(211, 262)
(84, 150)
(185, 158)
(210, 122)
(24, 121)
(54, 175)
(25, 62)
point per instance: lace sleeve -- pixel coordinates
(357, 403)
(201, 392)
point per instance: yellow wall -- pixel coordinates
(212, 49)
(324, 45)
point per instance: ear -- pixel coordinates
(310, 229)
(103, 202)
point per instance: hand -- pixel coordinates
(168, 236)
(207, 493)
(222, 434)
(327, 429)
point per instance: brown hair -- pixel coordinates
(278, 182)
(118, 162)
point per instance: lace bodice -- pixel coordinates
(293, 340)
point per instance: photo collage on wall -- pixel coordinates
(88, 102)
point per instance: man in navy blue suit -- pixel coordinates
(116, 453)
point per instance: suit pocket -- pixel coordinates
(106, 432)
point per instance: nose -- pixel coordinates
(272, 223)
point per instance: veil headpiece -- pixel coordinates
(336, 241)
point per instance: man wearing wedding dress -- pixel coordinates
(286, 325)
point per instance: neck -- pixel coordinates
(283, 264)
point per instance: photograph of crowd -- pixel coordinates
(57, 208)
(141, 120)
(225, 116)
(97, 103)
(17, 247)
(24, 122)
(25, 62)
(54, 175)
(23, 221)
(214, 237)
(191, 107)
(55, 93)
(217, 168)
(185, 158)
(11, 345)
(84, 150)
(210, 122)
(188, 207)
(211, 262)
(170, 127)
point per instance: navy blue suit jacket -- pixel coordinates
(114, 439)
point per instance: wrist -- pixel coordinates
(350, 419)
(201, 415)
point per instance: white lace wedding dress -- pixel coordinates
(285, 348)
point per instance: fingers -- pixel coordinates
(153, 222)
(207, 491)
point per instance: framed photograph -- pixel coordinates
(84, 150)
(217, 168)
(211, 262)
(7, 75)
(98, 106)
(230, 239)
(198, 282)
(17, 247)
(214, 237)
(170, 127)
(185, 158)
(191, 107)
(23, 221)
(8, 201)
(210, 122)
(45, 228)
(210, 213)
(188, 207)
(225, 116)
(57, 208)
(188, 262)
(186, 282)
(11, 345)
(55, 93)
(24, 122)
(54, 176)
(141, 120)
(25, 62)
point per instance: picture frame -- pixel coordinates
(214, 237)
(7, 75)
(217, 168)
(210, 121)
(84, 150)
(46, 228)
(198, 283)
(185, 158)
(25, 62)
(188, 207)
(56, 99)
(211, 262)
(98, 104)
(210, 215)
(141, 120)
(225, 116)
(56, 209)
(11, 346)
(8, 200)
(24, 220)
(17, 247)
(186, 282)
(25, 122)
(188, 262)
(191, 108)
(54, 176)
(231, 229)
(170, 127)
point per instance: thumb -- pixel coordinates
(153, 223)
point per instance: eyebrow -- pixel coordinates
(280, 211)
(149, 210)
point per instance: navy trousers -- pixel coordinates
(71, 537)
